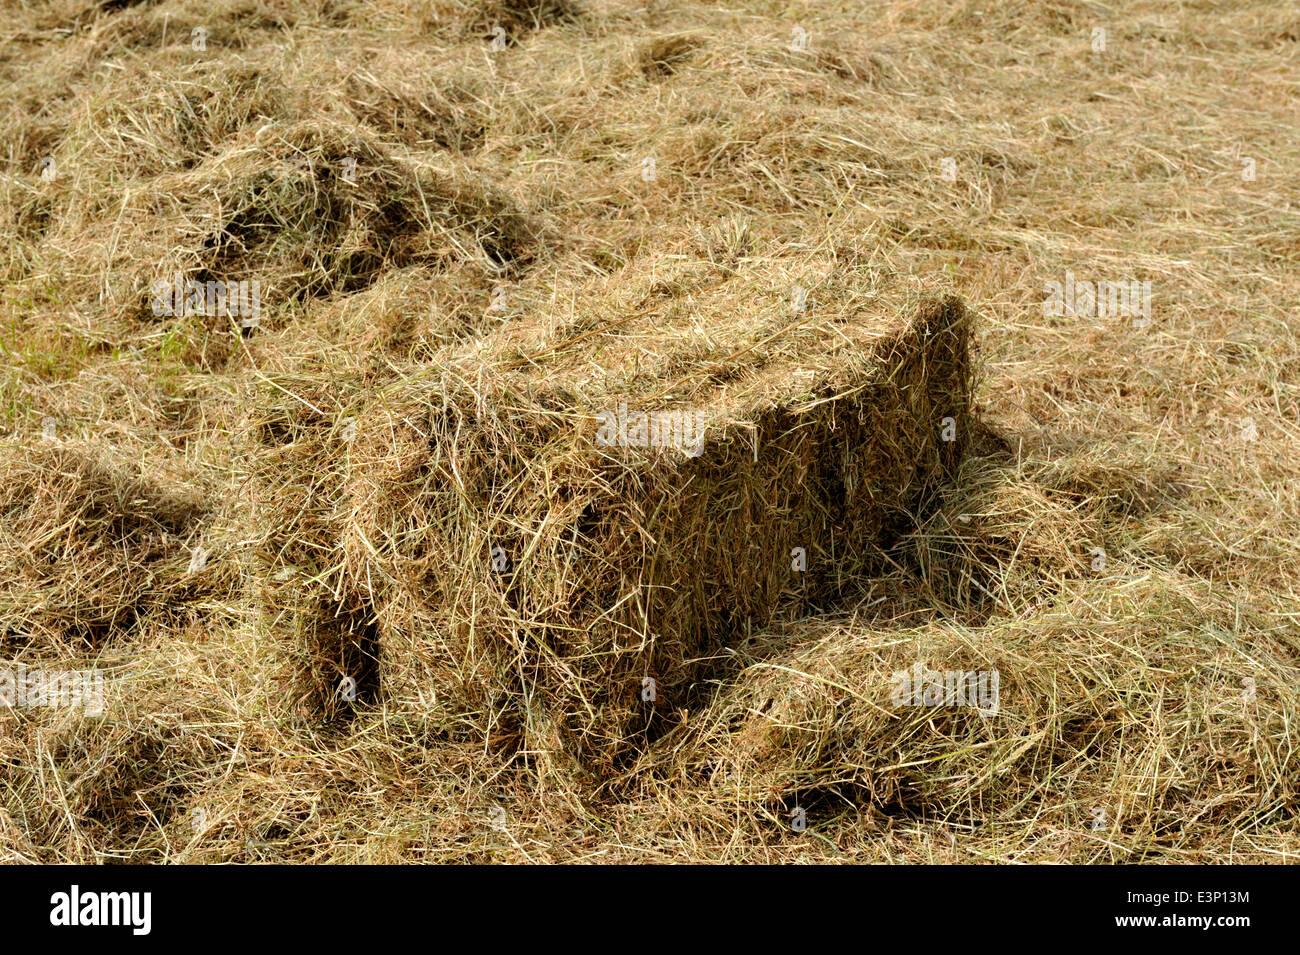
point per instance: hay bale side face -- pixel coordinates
(535, 578)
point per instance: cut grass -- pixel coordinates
(1119, 540)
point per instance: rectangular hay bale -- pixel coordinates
(560, 574)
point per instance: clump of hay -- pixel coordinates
(541, 578)
(1009, 536)
(662, 56)
(90, 549)
(452, 116)
(1080, 736)
(306, 210)
(322, 210)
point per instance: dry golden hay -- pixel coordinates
(826, 715)
(89, 549)
(555, 575)
(306, 210)
(288, 514)
(1125, 555)
(519, 16)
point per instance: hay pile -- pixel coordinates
(809, 721)
(90, 549)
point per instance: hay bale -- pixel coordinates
(530, 576)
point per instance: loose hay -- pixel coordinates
(1110, 541)
(90, 550)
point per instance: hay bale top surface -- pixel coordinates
(731, 342)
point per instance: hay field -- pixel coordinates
(368, 575)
